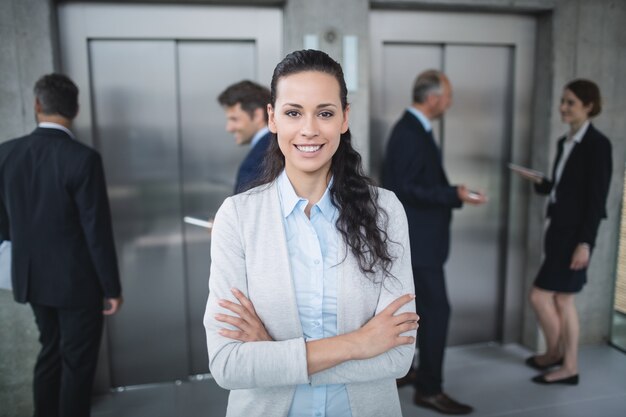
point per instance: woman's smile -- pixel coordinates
(308, 149)
(308, 119)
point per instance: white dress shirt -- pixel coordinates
(52, 125)
(569, 144)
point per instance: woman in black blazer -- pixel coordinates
(577, 203)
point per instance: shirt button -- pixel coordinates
(318, 414)
(316, 323)
(316, 262)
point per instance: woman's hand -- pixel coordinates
(383, 331)
(251, 328)
(580, 258)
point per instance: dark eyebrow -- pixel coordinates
(298, 106)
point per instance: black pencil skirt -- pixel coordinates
(555, 273)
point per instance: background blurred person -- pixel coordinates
(413, 169)
(245, 107)
(55, 211)
(577, 203)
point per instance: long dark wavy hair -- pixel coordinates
(361, 221)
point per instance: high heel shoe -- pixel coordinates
(532, 362)
(570, 380)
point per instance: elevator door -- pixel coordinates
(153, 115)
(476, 137)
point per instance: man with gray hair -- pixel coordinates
(413, 170)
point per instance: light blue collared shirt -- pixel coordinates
(258, 135)
(420, 116)
(313, 256)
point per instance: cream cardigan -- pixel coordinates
(249, 252)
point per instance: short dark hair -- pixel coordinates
(57, 94)
(248, 94)
(588, 92)
(426, 83)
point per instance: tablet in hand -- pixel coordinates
(526, 172)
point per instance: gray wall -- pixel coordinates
(306, 17)
(576, 38)
(27, 51)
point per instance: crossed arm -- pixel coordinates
(382, 333)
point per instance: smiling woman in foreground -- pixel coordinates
(311, 305)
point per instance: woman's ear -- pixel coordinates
(271, 124)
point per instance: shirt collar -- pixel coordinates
(52, 125)
(578, 136)
(326, 205)
(258, 135)
(420, 116)
(289, 199)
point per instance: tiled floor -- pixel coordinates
(490, 377)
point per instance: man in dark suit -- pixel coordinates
(56, 213)
(245, 105)
(413, 170)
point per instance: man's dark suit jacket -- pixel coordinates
(414, 171)
(583, 187)
(252, 166)
(56, 213)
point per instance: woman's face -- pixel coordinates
(309, 120)
(573, 111)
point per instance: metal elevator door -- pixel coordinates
(154, 117)
(165, 158)
(476, 137)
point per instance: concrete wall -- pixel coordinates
(28, 50)
(576, 38)
(319, 17)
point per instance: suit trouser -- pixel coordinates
(66, 365)
(432, 305)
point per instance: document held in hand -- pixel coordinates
(528, 173)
